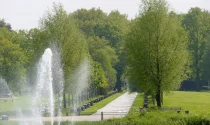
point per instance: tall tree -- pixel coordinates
(104, 54)
(61, 29)
(100, 30)
(120, 20)
(12, 59)
(98, 78)
(157, 49)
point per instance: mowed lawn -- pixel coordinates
(195, 102)
(11, 105)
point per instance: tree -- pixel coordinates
(104, 54)
(122, 23)
(61, 29)
(87, 19)
(13, 59)
(103, 39)
(197, 23)
(157, 49)
(12, 62)
(98, 78)
(3, 24)
(205, 63)
(33, 42)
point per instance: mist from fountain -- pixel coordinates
(80, 80)
(20, 114)
(5, 92)
(58, 80)
(43, 101)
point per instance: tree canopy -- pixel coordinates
(157, 49)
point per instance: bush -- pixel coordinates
(151, 118)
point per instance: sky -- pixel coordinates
(25, 14)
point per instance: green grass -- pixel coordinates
(10, 106)
(9, 122)
(101, 104)
(195, 102)
(138, 102)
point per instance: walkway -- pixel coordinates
(118, 108)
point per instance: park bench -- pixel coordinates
(91, 103)
(4, 117)
(82, 108)
(170, 108)
(76, 111)
(186, 111)
(178, 109)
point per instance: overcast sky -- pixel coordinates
(25, 14)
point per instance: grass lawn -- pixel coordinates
(9, 106)
(138, 102)
(195, 102)
(101, 104)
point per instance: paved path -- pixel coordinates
(119, 107)
(116, 109)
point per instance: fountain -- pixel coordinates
(58, 80)
(43, 102)
(48, 92)
(49, 72)
(80, 80)
(4, 89)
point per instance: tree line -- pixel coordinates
(154, 52)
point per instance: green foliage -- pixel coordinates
(3, 24)
(98, 79)
(205, 64)
(12, 61)
(197, 23)
(61, 29)
(109, 30)
(102, 53)
(87, 19)
(157, 49)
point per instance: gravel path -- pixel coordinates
(118, 108)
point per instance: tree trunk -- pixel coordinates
(64, 100)
(69, 94)
(158, 92)
(158, 97)
(153, 99)
(197, 66)
(162, 97)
